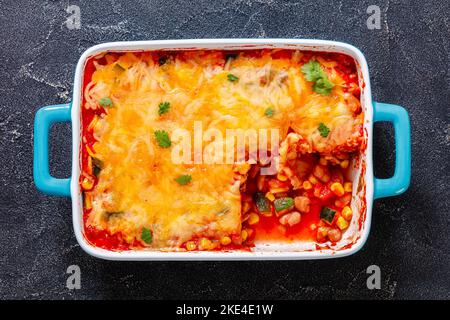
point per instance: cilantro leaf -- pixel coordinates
(323, 86)
(231, 77)
(269, 112)
(147, 235)
(314, 72)
(323, 129)
(163, 108)
(162, 137)
(184, 179)
(105, 102)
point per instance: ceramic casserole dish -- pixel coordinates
(365, 187)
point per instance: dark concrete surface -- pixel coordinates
(409, 63)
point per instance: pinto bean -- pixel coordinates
(321, 173)
(291, 219)
(302, 204)
(343, 201)
(334, 234)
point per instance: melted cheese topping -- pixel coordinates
(136, 187)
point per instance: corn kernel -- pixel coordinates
(244, 235)
(281, 177)
(88, 200)
(342, 223)
(89, 165)
(245, 207)
(344, 164)
(323, 161)
(337, 188)
(93, 123)
(225, 241)
(205, 244)
(190, 245)
(312, 179)
(348, 187)
(270, 196)
(322, 233)
(307, 185)
(253, 218)
(347, 213)
(87, 183)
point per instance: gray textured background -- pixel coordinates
(409, 63)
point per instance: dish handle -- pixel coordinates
(44, 119)
(399, 182)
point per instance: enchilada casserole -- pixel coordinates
(135, 104)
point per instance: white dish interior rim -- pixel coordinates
(279, 253)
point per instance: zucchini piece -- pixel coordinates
(112, 214)
(262, 203)
(285, 203)
(97, 166)
(327, 214)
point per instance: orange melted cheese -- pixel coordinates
(136, 187)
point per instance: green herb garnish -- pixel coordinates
(323, 86)
(163, 108)
(106, 102)
(231, 77)
(314, 72)
(147, 235)
(324, 130)
(269, 112)
(184, 179)
(162, 137)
